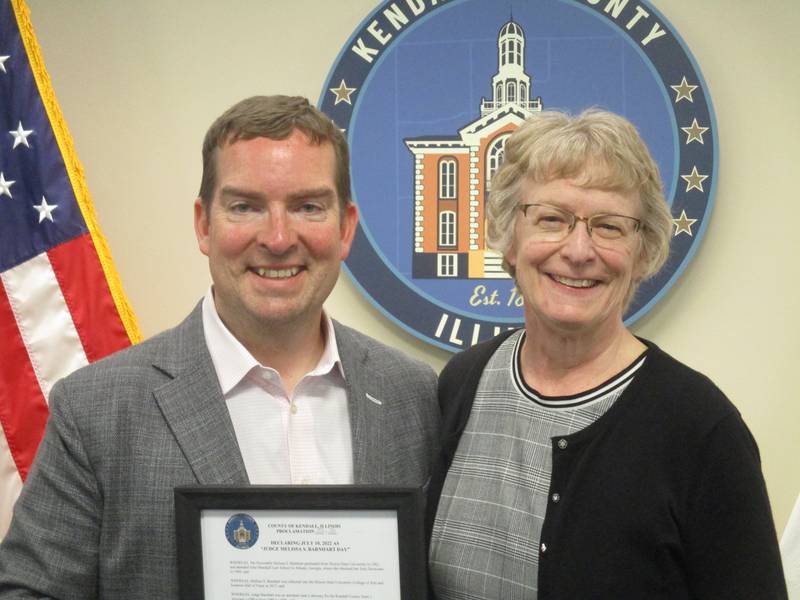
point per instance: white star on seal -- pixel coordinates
(45, 210)
(21, 136)
(694, 133)
(5, 186)
(683, 224)
(694, 180)
(683, 91)
(343, 93)
(3, 60)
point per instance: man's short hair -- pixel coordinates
(273, 117)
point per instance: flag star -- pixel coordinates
(694, 180)
(683, 91)
(21, 136)
(342, 93)
(5, 186)
(683, 224)
(45, 210)
(694, 133)
(3, 60)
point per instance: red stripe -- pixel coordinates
(23, 409)
(83, 283)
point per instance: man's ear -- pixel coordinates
(348, 228)
(201, 225)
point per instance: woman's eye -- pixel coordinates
(551, 219)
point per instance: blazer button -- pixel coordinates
(562, 443)
(556, 497)
(544, 547)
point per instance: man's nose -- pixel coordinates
(277, 232)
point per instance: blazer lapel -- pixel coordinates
(366, 413)
(195, 410)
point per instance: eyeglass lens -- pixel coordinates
(552, 223)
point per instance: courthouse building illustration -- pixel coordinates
(452, 174)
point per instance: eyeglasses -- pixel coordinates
(553, 224)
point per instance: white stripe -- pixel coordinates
(10, 483)
(44, 322)
(623, 378)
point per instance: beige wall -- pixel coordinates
(139, 82)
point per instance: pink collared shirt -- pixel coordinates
(302, 438)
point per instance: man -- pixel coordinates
(257, 385)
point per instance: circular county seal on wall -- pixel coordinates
(427, 93)
(241, 531)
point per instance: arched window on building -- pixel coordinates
(494, 156)
(447, 229)
(511, 92)
(498, 94)
(517, 58)
(448, 171)
(523, 92)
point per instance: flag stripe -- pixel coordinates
(44, 321)
(23, 408)
(83, 284)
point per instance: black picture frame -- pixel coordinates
(191, 501)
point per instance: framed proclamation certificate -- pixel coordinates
(298, 543)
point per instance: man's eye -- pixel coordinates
(311, 210)
(240, 207)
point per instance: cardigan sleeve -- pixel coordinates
(730, 540)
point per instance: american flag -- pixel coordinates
(61, 302)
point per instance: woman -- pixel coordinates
(578, 460)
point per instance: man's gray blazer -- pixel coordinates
(96, 517)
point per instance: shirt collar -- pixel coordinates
(232, 361)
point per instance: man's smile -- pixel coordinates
(276, 273)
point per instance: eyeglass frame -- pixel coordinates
(575, 218)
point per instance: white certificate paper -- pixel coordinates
(300, 554)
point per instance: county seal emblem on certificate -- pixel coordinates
(241, 531)
(427, 93)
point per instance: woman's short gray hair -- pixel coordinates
(597, 149)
